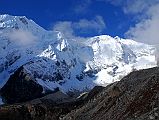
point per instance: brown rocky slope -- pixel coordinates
(135, 97)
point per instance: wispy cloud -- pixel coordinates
(82, 6)
(138, 6)
(83, 26)
(95, 25)
(132, 6)
(22, 37)
(64, 27)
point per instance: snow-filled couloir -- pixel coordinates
(68, 63)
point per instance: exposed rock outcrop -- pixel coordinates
(20, 87)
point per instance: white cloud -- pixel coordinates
(147, 30)
(69, 28)
(146, 12)
(22, 37)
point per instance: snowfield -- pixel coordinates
(68, 63)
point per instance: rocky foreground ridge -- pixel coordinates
(135, 97)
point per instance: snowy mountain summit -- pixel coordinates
(71, 64)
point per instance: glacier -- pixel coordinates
(71, 64)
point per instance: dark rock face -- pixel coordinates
(135, 97)
(45, 108)
(20, 87)
(32, 112)
(39, 109)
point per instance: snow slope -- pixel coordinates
(70, 64)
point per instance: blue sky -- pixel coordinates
(85, 17)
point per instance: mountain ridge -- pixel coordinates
(70, 64)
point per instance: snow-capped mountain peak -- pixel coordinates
(55, 61)
(18, 22)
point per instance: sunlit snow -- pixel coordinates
(81, 63)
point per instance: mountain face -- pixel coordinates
(20, 88)
(70, 64)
